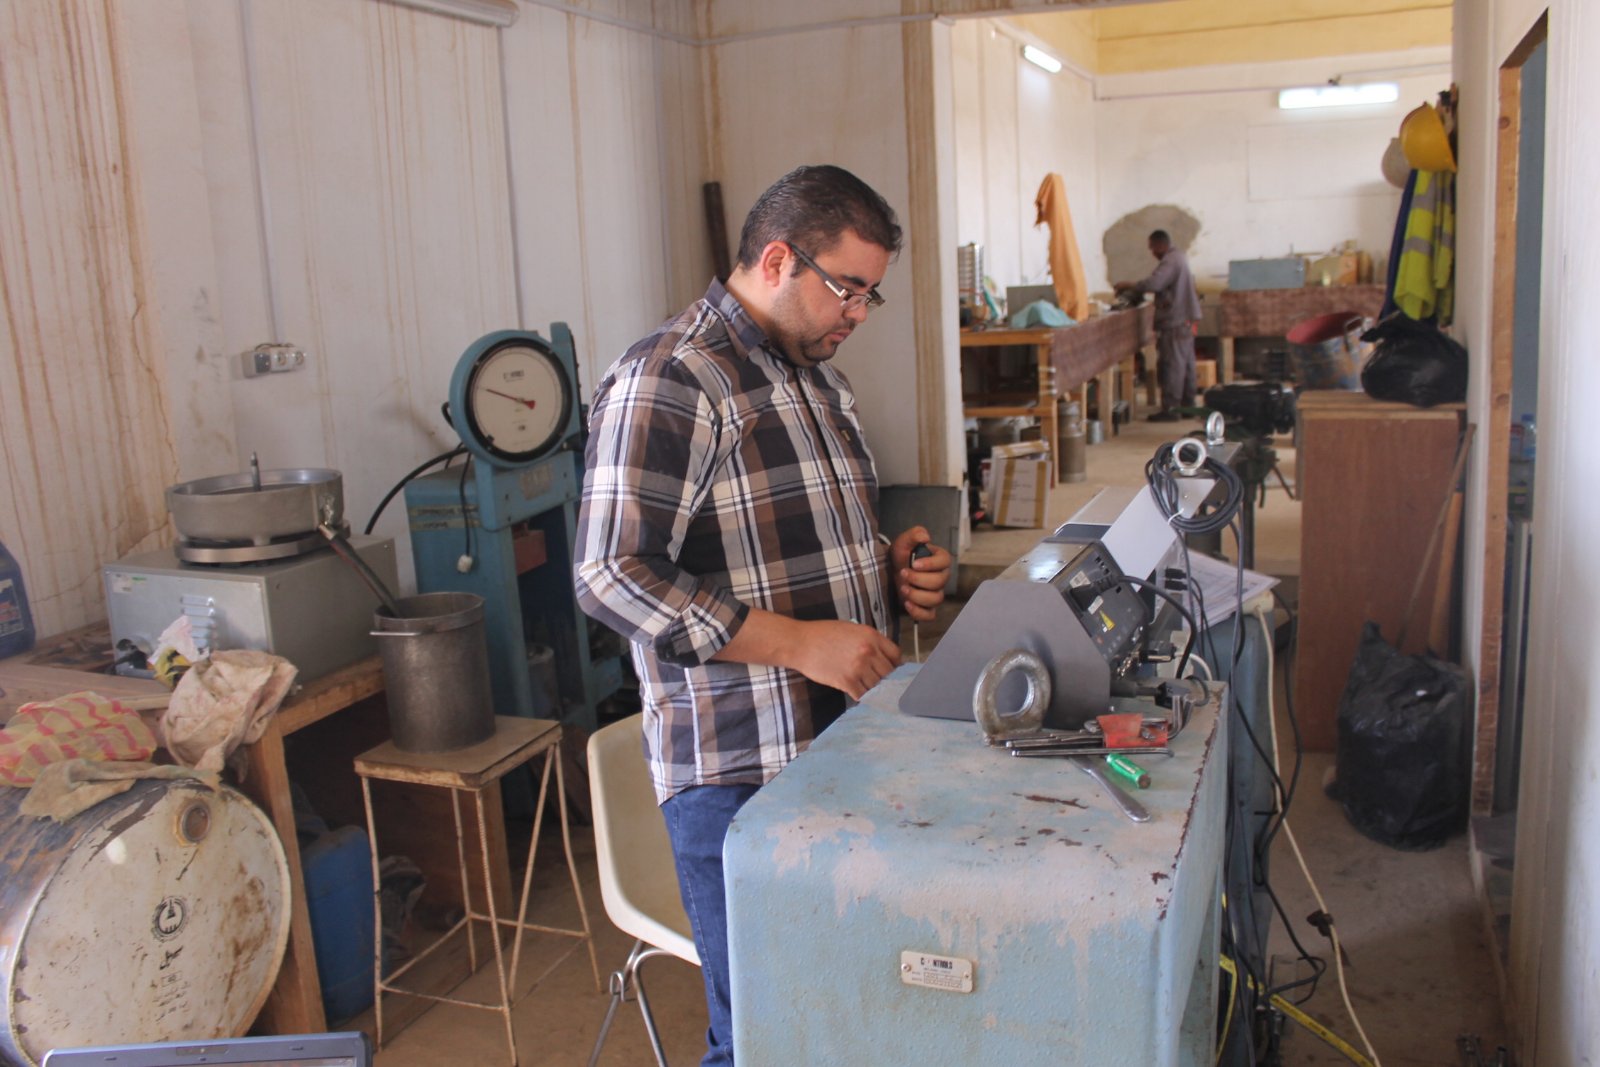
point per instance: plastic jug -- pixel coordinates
(16, 621)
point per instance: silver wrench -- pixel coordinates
(1130, 807)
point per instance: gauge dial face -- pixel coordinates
(518, 400)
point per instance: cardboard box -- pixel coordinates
(1019, 483)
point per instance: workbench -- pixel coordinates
(1092, 939)
(336, 716)
(1274, 312)
(1066, 359)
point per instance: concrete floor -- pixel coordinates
(1419, 971)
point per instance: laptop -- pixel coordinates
(349, 1049)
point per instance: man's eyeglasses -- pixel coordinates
(849, 299)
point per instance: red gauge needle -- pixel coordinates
(525, 403)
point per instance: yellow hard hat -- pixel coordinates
(1426, 145)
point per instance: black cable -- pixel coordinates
(1162, 474)
(1188, 646)
(444, 457)
(1319, 966)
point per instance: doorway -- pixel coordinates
(1512, 458)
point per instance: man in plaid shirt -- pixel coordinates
(729, 527)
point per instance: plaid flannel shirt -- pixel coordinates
(721, 477)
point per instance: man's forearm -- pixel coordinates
(765, 639)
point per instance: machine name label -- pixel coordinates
(949, 973)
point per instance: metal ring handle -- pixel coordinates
(985, 694)
(1189, 455)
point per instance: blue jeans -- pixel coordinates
(697, 823)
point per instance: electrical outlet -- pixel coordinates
(271, 359)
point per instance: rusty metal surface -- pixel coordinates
(897, 833)
(161, 914)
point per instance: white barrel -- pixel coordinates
(158, 915)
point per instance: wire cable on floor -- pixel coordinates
(1332, 929)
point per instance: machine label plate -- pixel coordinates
(936, 972)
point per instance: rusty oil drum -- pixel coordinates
(161, 914)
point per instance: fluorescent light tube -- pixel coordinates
(1338, 95)
(1041, 59)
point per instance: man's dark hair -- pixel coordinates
(811, 207)
(1161, 235)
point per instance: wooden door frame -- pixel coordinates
(1497, 422)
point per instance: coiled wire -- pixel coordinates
(1161, 473)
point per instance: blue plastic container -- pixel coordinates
(16, 621)
(338, 878)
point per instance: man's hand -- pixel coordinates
(845, 655)
(919, 582)
(1122, 287)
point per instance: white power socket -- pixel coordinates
(272, 359)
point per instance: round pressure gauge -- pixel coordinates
(514, 401)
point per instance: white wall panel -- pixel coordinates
(967, 135)
(1556, 921)
(86, 424)
(1262, 182)
(623, 213)
(542, 125)
(998, 56)
(849, 110)
(1056, 133)
(385, 180)
(730, 18)
(1015, 123)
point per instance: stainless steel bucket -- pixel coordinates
(436, 671)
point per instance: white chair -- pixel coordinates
(638, 881)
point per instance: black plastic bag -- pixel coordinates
(1414, 363)
(1402, 753)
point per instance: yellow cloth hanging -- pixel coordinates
(1066, 265)
(1424, 284)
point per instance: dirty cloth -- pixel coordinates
(84, 726)
(76, 785)
(222, 703)
(1066, 264)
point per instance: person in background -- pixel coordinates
(1177, 319)
(729, 528)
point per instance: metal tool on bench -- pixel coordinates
(1075, 602)
(252, 569)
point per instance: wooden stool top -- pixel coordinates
(516, 740)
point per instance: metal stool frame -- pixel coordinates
(507, 980)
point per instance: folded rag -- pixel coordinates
(224, 702)
(84, 726)
(75, 785)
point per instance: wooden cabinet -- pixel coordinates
(1373, 476)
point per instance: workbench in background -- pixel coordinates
(1372, 477)
(1064, 361)
(1274, 312)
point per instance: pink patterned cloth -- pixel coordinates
(76, 726)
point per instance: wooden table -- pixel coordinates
(355, 695)
(1274, 312)
(1066, 360)
(1372, 477)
